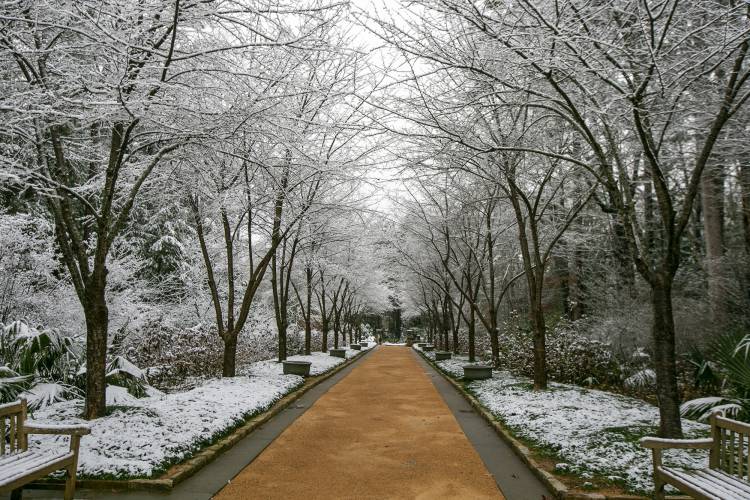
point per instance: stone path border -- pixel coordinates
(526, 455)
(179, 472)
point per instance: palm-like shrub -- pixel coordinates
(123, 373)
(42, 352)
(726, 369)
(12, 384)
(46, 367)
(39, 364)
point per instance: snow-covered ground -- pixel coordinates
(592, 432)
(321, 363)
(453, 366)
(144, 436)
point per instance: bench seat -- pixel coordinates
(20, 466)
(725, 478)
(709, 484)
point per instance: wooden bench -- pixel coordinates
(19, 465)
(725, 478)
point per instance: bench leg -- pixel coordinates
(659, 488)
(70, 483)
(16, 494)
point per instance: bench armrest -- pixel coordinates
(663, 444)
(73, 430)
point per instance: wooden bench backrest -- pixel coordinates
(731, 446)
(12, 418)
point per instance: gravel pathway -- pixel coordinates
(382, 432)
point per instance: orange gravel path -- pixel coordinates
(381, 432)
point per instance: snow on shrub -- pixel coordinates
(702, 408)
(641, 379)
(12, 384)
(47, 393)
(571, 355)
(173, 355)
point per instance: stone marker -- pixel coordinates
(297, 368)
(356, 347)
(477, 372)
(441, 355)
(338, 353)
(428, 348)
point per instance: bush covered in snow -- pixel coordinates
(571, 355)
(173, 354)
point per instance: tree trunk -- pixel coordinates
(455, 339)
(495, 345)
(745, 186)
(324, 339)
(472, 333)
(712, 202)
(282, 340)
(308, 311)
(397, 322)
(576, 306)
(335, 335)
(97, 326)
(538, 328)
(622, 254)
(230, 355)
(663, 333)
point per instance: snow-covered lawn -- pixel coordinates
(454, 366)
(321, 363)
(144, 436)
(593, 433)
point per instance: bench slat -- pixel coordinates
(728, 423)
(704, 483)
(19, 465)
(689, 487)
(12, 433)
(11, 408)
(733, 481)
(2, 436)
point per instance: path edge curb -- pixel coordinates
(179, 472)
(522, 451)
